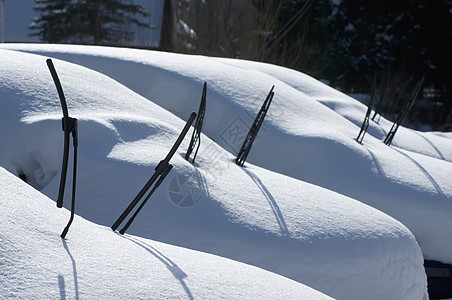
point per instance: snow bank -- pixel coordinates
(309, 133)
(96, 263)
(335, 244)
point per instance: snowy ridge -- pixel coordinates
(318, 237)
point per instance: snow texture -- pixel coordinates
(290, 210)
(96, 263)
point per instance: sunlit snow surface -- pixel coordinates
(283, 212)
(95, 263)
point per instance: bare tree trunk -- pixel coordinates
(166, 36)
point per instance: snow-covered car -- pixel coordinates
(310, 203)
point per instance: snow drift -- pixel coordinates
(309, 132)
(95, 263)
(328, 241)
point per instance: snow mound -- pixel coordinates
(333, 243)
(96, 263)
(309, 132)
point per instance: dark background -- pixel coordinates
(358, 46)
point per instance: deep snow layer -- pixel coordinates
(326, 240)
(309, 133)
(96, 263)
